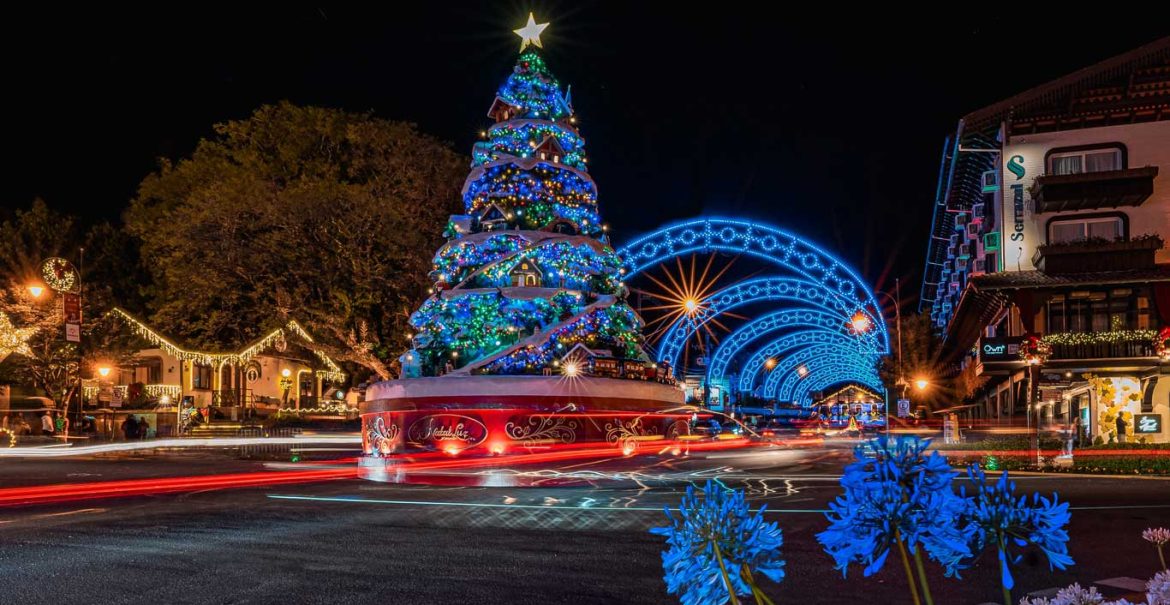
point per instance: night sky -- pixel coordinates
(827, 128)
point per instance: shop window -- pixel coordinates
(200, 376)
(1108, 228)
(1090, 160)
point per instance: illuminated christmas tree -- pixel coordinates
(527, 273)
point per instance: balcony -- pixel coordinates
(1089, 190)
(1091, 256)
(1103, 350)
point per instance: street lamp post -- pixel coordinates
(896, 299)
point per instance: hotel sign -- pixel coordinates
(1020, 230)
(992, 350)
(1147, 423)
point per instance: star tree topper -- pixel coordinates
(530, 33)
(13, 339)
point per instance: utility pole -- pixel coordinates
(80, 340)
(901, 382)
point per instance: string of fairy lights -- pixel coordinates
(534, 197)
(523, 139)
(534, 90)
(545, 280)
(333, 373)
(604, 327)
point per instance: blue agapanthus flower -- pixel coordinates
(1000, 521)
(896, 492)
(745, 541)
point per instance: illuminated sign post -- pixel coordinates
(993, 350)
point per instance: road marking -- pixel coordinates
(47, 515)
(70, 512)
(1119, 507)
(357, 500)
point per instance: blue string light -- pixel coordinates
(802, 326)
(822, 288)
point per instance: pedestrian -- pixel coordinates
(1121, 426)
(61, 425)
(143, 429)
(130, 427)
(1079, 430)
(47, 424)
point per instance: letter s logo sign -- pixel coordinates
(1015, 166)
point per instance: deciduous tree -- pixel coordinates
(320, 215)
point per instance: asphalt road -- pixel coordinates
(574, 533)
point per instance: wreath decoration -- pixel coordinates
(1034, 350)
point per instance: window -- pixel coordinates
(1099, 310)
(200, 377)
(1090, 160)
(1057, 319)
(1108, 228)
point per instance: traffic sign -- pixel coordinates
(903, 408)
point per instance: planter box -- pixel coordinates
(1092, 257)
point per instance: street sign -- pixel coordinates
(72, 307)
(1147, 423)
(73, 332)
(116, 399)
(903, 408)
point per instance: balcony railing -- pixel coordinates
(1091, 190)
(231, 397)
(1089, 256)
(1102, 350)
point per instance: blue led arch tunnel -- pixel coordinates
(831, 376)
(754, 370)
(803, 393)
(761, 241)
(799, 325)
(825, 371)
(794, 293)
(825, 379)
(782, 380)
(808, 360)
(817, 362)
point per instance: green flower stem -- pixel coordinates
(1162, 558)
(761, 598)
(922, 577)
(723, 570)
(1007, 594)
(906, 567)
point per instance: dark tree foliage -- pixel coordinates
(319, 215)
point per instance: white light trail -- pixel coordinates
(63, 450)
